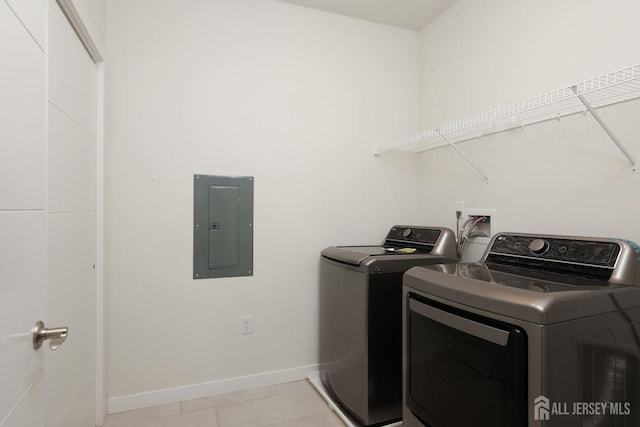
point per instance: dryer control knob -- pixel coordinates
(538, 246)
(407, 233)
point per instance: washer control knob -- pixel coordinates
(407, 233)
(538, 246)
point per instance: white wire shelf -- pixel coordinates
(609, 89)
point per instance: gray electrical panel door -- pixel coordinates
(223, 226)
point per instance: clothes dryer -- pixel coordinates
(544, 331)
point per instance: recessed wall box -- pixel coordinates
(485, 228)
(222, 226)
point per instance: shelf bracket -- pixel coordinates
(605, 127)
(463, 156)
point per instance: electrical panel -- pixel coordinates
(222, 226)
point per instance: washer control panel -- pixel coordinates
(401, 234)
(600, 253)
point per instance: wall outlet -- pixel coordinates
(460, 208)
(246, 325)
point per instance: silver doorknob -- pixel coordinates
(41, 334)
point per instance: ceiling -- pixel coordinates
(409, 14)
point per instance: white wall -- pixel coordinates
(295, 97)
(92, 13)
(482, 55)
(563, 177)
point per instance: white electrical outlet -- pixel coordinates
(460, 207)
(247, 325)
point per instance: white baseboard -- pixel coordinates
(211, 388)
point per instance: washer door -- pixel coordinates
(463, 368)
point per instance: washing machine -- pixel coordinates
(360, 348)
(543, 331)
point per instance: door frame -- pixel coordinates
(75, 21)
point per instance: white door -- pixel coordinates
(70, 372)
(47, 217)
(23, 231)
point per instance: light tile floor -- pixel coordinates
(295, 404)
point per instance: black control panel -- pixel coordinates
(415, 235)
(525, 249)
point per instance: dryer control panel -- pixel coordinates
(597, 253)
(614, 260)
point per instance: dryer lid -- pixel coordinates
(540, 298)
(379, 259)
(355, 255)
